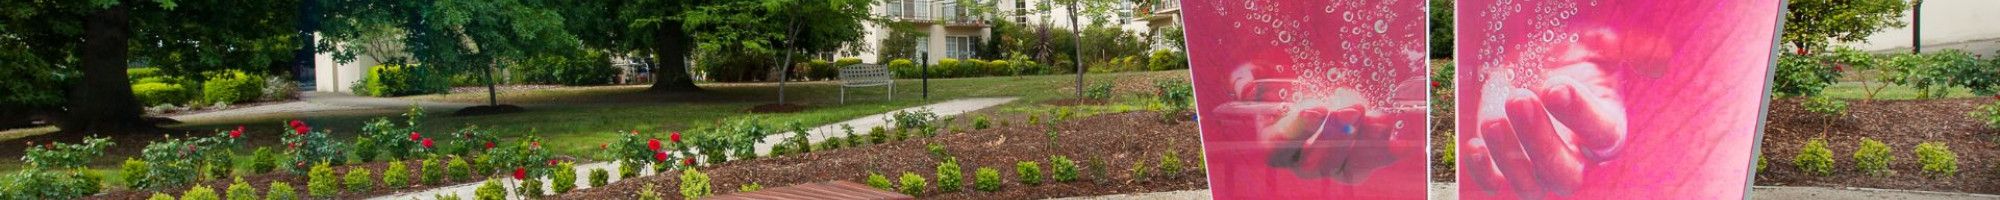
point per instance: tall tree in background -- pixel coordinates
(778, 27)
(1810, 25)
(453, 36)
(1441, 32)
(87, 45)
(647, 27)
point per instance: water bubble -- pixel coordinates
(1349, 15)
(1381, 27)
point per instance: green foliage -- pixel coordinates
(1938, 160)
(394, 139)
(1441, 29)
(162, 93)
(58, 155)
(398, 80)
(263, 160)
(1873, 157)
(1177, 95)
(532, 188)
(628, 170)
(1450, 155)
(752, 187)
(1028, 172)
(877, 135)
(1762, 162)
(242, 190)
(490, 191)
(587, 68)
(904, 68)
(1814, 24)
(981, 123)
(396, 176)
(878, 181)
(279, 190)
(199, 192)
(445, 197)
(1170, 164)
(1099, 91)
(1815, 158)
(176, 161)
(359, 180)
(1802, 75)
(38, 183)
(937, 150)
(308, 147)
(1141, 171)
(599, 177)
(1167, 60)
(564, 178)
(647, 193)
(694, 184)
(986, 179)
(232, 86)
(432, 173)
(160, 196)
(1062, 169)
(912, 184)
(1989, 114)
(457, 169)
(949, 175)
(1934, 73)
(320, 182)
(1826, 106)
(818, 69)
(134, 170)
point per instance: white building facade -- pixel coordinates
(953, 31)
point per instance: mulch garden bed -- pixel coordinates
(1901, 124)
(262, 183)
(1119, 140)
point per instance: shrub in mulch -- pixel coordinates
(1121, 139)
(262, 183)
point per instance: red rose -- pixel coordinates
(489, 145)
(427, 143)
(520, 173)
(302, 130)
(1802, 51)
(1436, 84)
(238, 133)
(688, 161)
(296, 123)
(414, 136)
(603, 146)
(535, 145)
(661, 156)
(653, 144)
(676, 137)
(552, 161)
(635, 132)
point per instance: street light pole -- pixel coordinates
(1917, 27)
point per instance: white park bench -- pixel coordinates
(866, 75)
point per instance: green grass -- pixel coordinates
(574, 120)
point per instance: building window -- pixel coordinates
(1020, 11)
(961, 47)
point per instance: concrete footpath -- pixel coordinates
(1450, 191)
(947, 108)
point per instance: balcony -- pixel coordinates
(1156, 10)
(951, 21)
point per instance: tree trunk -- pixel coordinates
(670, 72)
(102, 102)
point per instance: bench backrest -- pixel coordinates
(859, 75)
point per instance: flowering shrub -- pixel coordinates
(878, 181)
(396, 176)
(1873, 157)
(1937, 159)
(1177, 95)
(986, 179)
(359, 179)
(526, 156)
(396, 140)
(308, 147)
(469, 140)
(949, 175)
(241, 190)
(694, 184)
(912, 184)
(1815, 158)
(1028, 172)
(57, 155)
(1062, 169)
(320, 182)
(279, 190)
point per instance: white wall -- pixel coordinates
(1971, 25)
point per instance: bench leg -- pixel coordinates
(843, 94)
(892, 91)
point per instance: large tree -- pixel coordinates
(778, 27)
(453, 36)
(96, 40)
(1812, 24)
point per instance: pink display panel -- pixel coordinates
(1603, 99)
(1312, 99)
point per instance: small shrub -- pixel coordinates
(1140, 170)
(1062, 169)
(1873, 157)
(981, 123)
(1762, 162)
(320, 182)
(263, 160)
(986, 179)
(1937, 159)
(133, 170)
(359, 180)
(279, 190)
(160, 196)
(599, 177)
(878, 181)
(694, 184)
(913, 184)
(1170, 164)
(445, 197)
(1098, 91)
(232, 86)
(647, 193)
(396, 176)
(752, 187)
(458, 169)
(937, 150)
(161, 93)
(877, 135)
(1167, 60)
(432, 172)
(1802, 75)
(1826, 106)
(492, 190)
(1990, 114)
(628, 169)
(531, 187)
(241, 190)
(1815, 158)
(199, 192)
(949, 175)
(1028, 172)
(564, 178)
